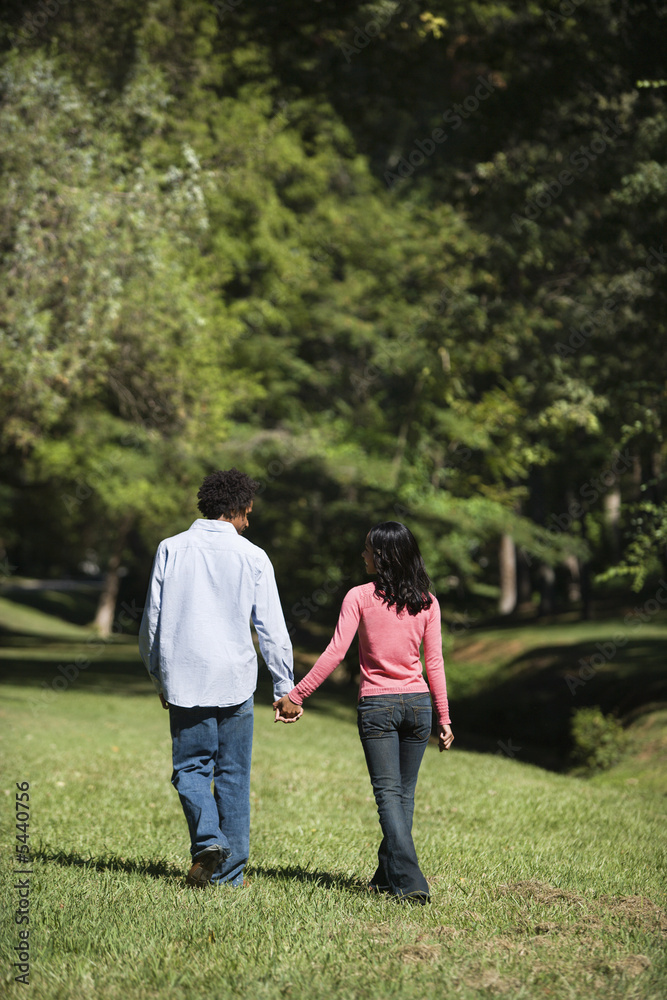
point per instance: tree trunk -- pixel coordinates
(574, 582)
(524, 581)
(547, 582)
(585, 570)
(611, 504)
(402, 438)
(106, 608)
(507, 562)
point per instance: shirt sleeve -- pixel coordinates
(269, 621)
(435, 664)
(149, 630)
(346, 627)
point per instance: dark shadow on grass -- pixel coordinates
(11, 639)
(85, 671)
(161, 870)
(526, 713)
(111, 862)
(72, 601)
(295, 873)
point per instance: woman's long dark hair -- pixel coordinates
(401, 578)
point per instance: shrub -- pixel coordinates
(598, 740)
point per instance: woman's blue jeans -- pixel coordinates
(215, 745)
(394, 731)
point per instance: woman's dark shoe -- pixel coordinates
(415, 897)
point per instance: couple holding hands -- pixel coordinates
(206, 585)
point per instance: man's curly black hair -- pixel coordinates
(226, 493)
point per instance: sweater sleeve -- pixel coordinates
(346, 627)
(435, 665)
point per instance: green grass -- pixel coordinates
(543, 885)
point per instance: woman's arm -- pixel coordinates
(435, 665)
(346, 627)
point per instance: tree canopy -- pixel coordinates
(396, 260)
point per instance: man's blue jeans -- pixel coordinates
(394, 731)
(215, 744)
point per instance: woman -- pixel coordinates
(394, 614)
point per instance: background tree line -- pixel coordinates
(396, 259)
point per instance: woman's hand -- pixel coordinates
(445, 738)
(286, 710)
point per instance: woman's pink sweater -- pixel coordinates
(388, 650)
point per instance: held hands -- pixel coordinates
(286, 710)
(445, 738)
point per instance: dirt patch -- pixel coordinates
(447, 933)
(378, 933)
(542, 892)
(547, 928)
(479, 650)
(420, 952)
(493, 982)
(474, 651)
(638, 911)
(630, 966)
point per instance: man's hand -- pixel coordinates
(445, 738)
(286, 710)
(164, 703)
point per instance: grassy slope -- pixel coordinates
(542, 885)
(512, 685)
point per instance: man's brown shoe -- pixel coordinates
(203, 867)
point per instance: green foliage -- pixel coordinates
(648, 537)
(202, 263)
(598, 740)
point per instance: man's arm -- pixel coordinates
(149, 630)
(269, 621)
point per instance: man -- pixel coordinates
(206, 585)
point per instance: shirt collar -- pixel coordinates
(206, 524)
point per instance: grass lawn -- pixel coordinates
(543, 885)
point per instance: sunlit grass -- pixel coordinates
(541, 885)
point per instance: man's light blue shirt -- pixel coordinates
(208, 583)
